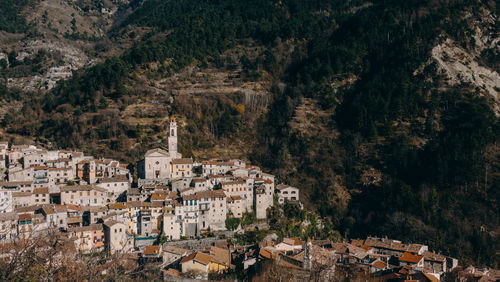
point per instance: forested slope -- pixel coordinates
(390, 148)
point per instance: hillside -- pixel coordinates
(384, 113)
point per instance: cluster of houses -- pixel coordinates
(378, 259)
(94, 202)
(96, 206)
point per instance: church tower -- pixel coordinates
(172, 138)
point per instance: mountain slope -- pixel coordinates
(357, 103)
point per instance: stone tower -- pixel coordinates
(172, 138)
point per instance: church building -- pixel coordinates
(157, 162)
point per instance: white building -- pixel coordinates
(86, 195)
(171, 226)
(60, 176)
(157, 162)
(5, 200)
(115, 186)
(287, 193)
(212, 210)
(116, 238)
(56, 216)
(20, 174)
(236, 205)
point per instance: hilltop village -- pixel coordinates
(180, 216)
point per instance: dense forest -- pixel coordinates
(434, 149)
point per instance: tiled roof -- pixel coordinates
(199, 257)
(221, 255)
(156, 150)
(91, 227)
(8, 216)
(409, 257)
(430, 256)
(15, 183)
(116, 206)
(117, 178)
(159, 196)
(21, 194)
(52, 209)
(292, 241)
(41, 190)
(111, 223)
(379, 264)
(182, 161)
(151, 250)
(24, 217)
(175, 250)
(76, 188)
(133, 191)
(74, 219)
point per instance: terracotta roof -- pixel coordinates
(133, 191)
(235, 182)
(431, 277)
(379, 264)
(39, 167)
(137, 204)
(73, 207)
(175, 250)
(8, 216)
(24, 217)
(430, 256)
(59, 168)
(292, 241)
(95, 208)
(409, 257)
(198, 180)
(151, 250)
(156, 150)
(211, 193)
(76, 188)
(182, 161)
(111, 223)
(220, 255)
(27, 209)
(15, 183)
(159, 196)
(74, 219)
(117, 178)
(41, 190)
(21, 194)
(52, 209)
(198, 256)
(116, 206)
(265, 253)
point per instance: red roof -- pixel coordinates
(409, 257)
(152, 250)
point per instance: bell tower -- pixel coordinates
(172, 138)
